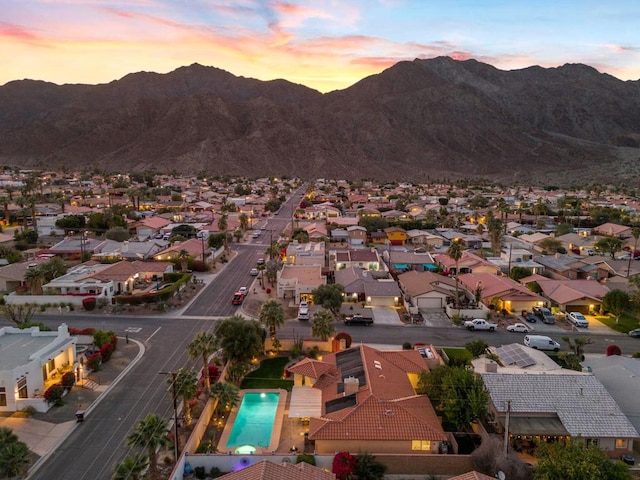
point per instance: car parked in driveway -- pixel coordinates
(544, 314)
(530, 317)
(577, 319)
(518, 327)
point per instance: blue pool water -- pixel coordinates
(254, 421)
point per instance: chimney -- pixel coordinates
(351, 385)
(490, 366)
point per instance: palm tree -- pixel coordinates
(131, 468)
(244, 221)
(14, 457)
(202, 346)
(455, 251)
(151, 433)
(635, 232)
(272, 316)
(34, 277)
(183, 256)
(226, 394)
(222, 226)
(323, 325)
(186, 387)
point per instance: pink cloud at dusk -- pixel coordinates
(325, 44)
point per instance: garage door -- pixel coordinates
(429, 302)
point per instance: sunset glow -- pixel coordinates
(324, 44)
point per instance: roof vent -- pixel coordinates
(388, 413)
(377, 364)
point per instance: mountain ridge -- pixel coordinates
(437, 118)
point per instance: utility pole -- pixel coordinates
(506, 428)
(176, 447)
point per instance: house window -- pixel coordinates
(592, 441)
(622, 443)
(22, 388)
(424, 445)
(3, 397)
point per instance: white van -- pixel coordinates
(541, 342)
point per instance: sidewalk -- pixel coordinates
(43, 432)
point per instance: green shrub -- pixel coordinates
(53, 395)
(200, 472)
(68, 380)
(306, 458)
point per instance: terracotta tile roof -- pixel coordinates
(373, 419)
(311, 368)
(473, 475)
(120, 271)
(386, 406)
(267, 470)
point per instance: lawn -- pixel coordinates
(268, 375)
(627, 322)
(458, 356)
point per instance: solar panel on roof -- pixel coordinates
(514, 355)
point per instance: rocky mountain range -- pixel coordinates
(419, 120)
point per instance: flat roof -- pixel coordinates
(16, 348)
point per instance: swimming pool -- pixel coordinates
(256, 424)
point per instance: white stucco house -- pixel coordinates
(30, 361)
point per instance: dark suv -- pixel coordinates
(544, 314)
(358, 319)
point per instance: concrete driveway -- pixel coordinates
(435, 317)
(385, 316)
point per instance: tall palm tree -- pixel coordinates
(186, 388)
(244, 221)
(151, 433)
(226, 394)
(323, 325)
(203, 346)
(183, 256)
(455, 251)
(272, 316)
(635, 232)
(131, 468)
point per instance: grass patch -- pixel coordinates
(268, 375)
(627, 322)
(458, 356)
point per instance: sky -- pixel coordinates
(323, 44)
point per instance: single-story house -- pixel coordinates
(298, 281)
(427, 289)
(369, 403)
(502, 292)
(31, 360)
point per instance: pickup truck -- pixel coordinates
(358, 319)
(480, 324)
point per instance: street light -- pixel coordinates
(176, 448)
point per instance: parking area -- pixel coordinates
(435, 317)
(385, 316)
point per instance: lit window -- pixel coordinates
(3, 397)
(622, 443)
(424, 445)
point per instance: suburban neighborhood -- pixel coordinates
(552, 271)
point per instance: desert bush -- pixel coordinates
(53, 395)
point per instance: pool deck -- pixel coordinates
(279, 421)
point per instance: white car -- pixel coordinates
(577, 319)
(518, 327)
(253, 272)
(243, 290)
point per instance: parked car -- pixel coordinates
(253, 272)
(541, 342)
(635, 333)
(358, 319)
(518, 327)
(544, 314)
(577, 319)
(303, 311)
(628, 459)
(260, 261)
(480, 324)
(530, 317)
(243, 290)
(238, 298)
